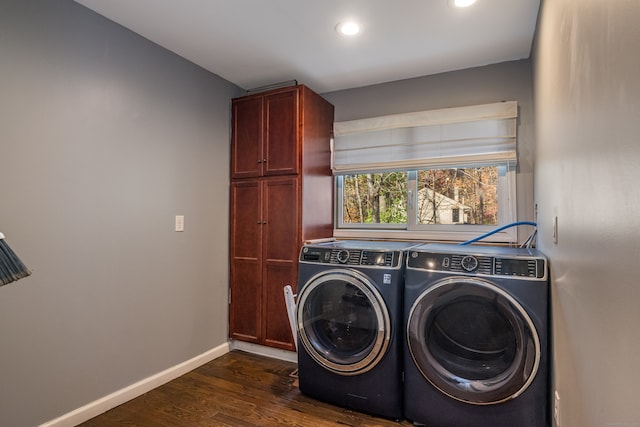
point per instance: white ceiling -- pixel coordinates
(254, 43)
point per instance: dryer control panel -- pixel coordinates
(361, 257)
(480, 264)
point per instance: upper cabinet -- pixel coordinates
(265, 134)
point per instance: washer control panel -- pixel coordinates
(373, 258)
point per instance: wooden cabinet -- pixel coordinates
(278, 199)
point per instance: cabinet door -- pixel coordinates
(280, 249)
(246, 141)
(245, 310)
(281, 133)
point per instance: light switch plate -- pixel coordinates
(179, 222)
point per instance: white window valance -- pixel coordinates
(478, 134)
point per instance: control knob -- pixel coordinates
(342, 256)
(469, 263)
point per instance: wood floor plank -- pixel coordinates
(237, 390)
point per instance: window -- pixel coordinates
(449, 181)
(442, 193)
(375, 198)
(455, 215)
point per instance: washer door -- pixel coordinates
(343, 321)
(473, 341)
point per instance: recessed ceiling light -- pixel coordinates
(461, 3)
(348, 28)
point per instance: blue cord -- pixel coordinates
(513, 224)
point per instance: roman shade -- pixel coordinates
(449, 137)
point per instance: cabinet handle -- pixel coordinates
(264, 160)
(259, 161)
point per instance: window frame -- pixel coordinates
(433, 232)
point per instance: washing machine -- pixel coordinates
(349, 320)
(477, 343)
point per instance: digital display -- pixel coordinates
(515, 267)
(377, 258)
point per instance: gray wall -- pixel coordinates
(104, 138)
(587, 111)
(506, 81)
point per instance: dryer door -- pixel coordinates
(343, 321)
(473, 341)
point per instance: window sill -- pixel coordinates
(506, 236)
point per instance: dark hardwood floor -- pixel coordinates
(237, 389)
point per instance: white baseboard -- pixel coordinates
(289, 356)
(119, 397)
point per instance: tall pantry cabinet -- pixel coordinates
(281, 195)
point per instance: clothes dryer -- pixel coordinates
(349, 319)
(476, 344)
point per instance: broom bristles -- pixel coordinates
(11, 268)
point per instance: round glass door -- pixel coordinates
(473, 341)
(343, 322)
